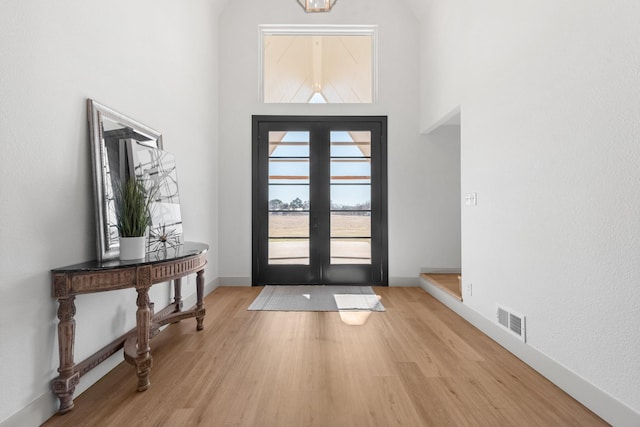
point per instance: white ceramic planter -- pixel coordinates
(132, 248)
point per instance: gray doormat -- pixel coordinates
(316, 298)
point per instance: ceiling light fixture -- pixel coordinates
(317, 5)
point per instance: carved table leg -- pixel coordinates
(143, 358)
(177, 291)
(65, 384)
(199, 304)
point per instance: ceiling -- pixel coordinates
(297, 67)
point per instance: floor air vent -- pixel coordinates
(512, 322)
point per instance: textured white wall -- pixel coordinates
(412, 191)
(153, 60)
(550, 131)
(443, 36)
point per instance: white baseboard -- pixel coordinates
(211, 286)
(603, 404)
(35, 413)
(234, 281)
(190, 300)
(46, 405)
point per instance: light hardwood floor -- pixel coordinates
(417, 364)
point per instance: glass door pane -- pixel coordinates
(288, 198)
(350, 188)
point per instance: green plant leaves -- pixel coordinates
(132, 208)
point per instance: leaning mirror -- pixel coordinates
(109, 132)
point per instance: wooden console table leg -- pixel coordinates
(200, 304)
(143, 358)
(65, 384)
(177, 291)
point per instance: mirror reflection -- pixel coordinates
(109, 133)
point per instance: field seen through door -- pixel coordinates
(354, 247)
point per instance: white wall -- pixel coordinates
(550, 107)
(443, 36)
(413, 198)
(153, 60)
(438, 225)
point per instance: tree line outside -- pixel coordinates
(298, 205)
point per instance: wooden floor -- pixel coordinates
(417, 364)
(450, 283)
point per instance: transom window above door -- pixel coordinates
(318, 64)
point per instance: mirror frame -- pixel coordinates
(96, 113)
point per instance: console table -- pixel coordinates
(90, 277)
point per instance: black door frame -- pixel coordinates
(378, 198)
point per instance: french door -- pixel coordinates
(319, 200)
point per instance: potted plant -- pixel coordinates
(133, 203)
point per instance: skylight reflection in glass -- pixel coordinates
(289, 144)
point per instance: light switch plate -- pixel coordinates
(471, 199)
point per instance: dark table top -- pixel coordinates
(184, 250)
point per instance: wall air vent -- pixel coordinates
(512, 322)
